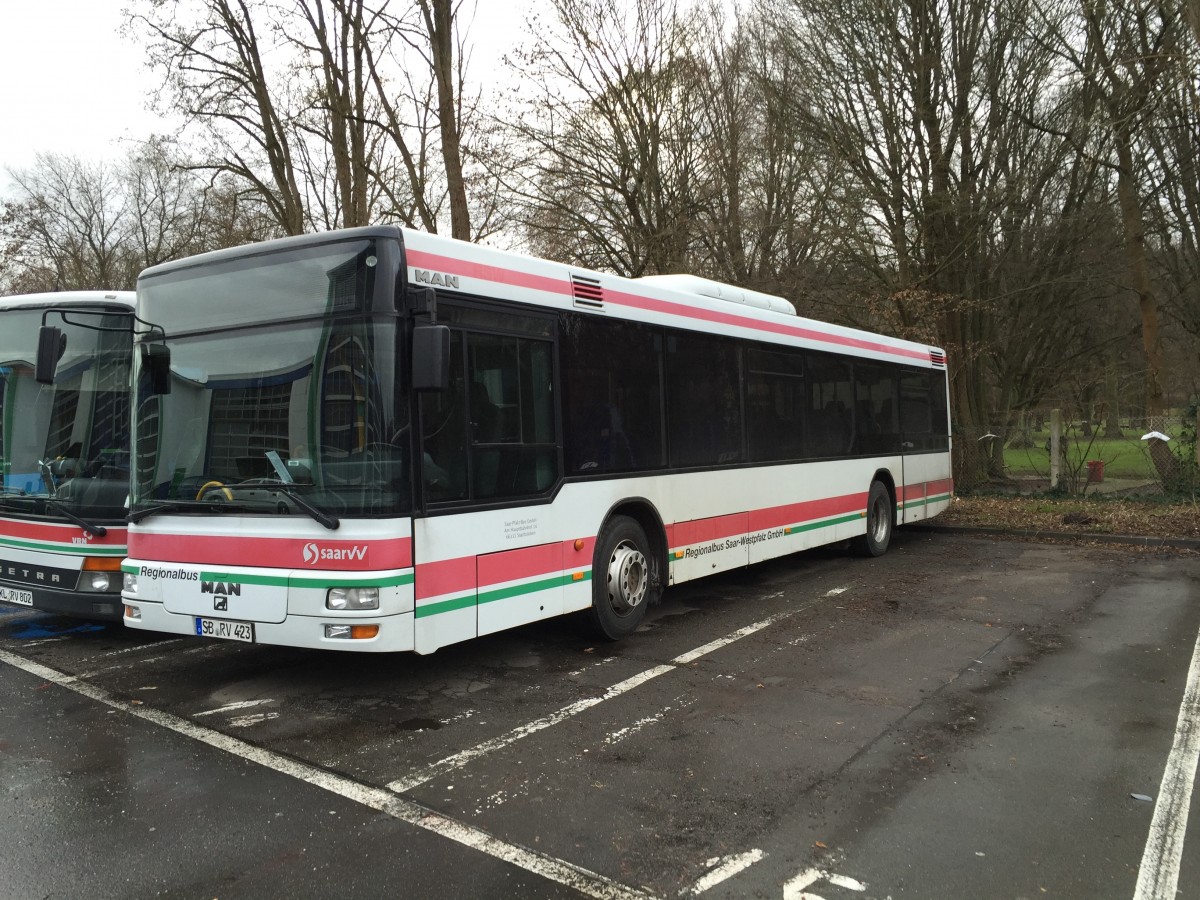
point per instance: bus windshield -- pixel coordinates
(270, 417)
(64, 447)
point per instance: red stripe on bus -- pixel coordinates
(511, 565)
(446, 576)
(808, 511)
(697, 531)
(945, 486)
(913, 491)
(516, 278)
(273, 553)
(678, 309)
(456, 576)
(61, 534)
(456, 266)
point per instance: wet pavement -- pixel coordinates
(965, 716)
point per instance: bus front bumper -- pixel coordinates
(394, 632)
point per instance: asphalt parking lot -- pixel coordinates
(964, 717)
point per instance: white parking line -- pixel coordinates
(137, 648)
(1158, 876)
(726, 869)
(589, 883)
(458, 760)
(796, 888)
(232, 707)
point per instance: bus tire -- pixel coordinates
(880, 523)
(624, 579)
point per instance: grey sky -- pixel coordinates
(71, 84)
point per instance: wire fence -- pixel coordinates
(1144, 455)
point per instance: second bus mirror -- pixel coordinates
(52, 344)
(156, 362)
(431, 358)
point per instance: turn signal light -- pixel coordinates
(351, 632)
(102, 564)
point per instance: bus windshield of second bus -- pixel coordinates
(64, 453)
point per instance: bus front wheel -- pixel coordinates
(624, 579)
(880, 520)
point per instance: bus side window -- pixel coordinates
(444, 433)
(704, 391)
(916, 410)
(612, 395)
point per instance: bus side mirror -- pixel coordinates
(156, 361)
(52, 344)
(431, 358)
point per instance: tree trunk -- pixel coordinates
(439, 21)
(1139, 271)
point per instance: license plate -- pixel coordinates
(225, 629)
(12, 595)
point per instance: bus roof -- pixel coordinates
(683, 301)
(64, 298)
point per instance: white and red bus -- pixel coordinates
(64, 451)
(378, 439)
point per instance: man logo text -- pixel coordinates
(229, 589)
(426, 277)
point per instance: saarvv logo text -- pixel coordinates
(315, 553)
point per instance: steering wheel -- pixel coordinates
(213, 486)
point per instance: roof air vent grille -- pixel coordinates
(587, 292)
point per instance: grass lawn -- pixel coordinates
(1123, 457)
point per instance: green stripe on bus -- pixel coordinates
(389, 581)
(324, 581)
(73, 549)
(813, 526)
(532, 587)
(505, 593)
(445, 606)
(789, 530)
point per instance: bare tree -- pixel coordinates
(214, 57)
(1170, 160)
(68, 227)
(1120, 51)
(74, 225)
(608, 138)
(765, 219)
(439, 18)
(334, 111)
(969, 220)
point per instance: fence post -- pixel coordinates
(1055, 447)
(1196, 435)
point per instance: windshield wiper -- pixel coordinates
(57, 506)
(329, 520)
(94, 530)
(177, 505)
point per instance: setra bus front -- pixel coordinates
(272, 498)
(64, 450)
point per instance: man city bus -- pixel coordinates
(379, 439)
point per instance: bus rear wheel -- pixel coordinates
(880, 520)
(624, 579)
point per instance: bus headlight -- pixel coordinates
(100, 574)
(352, 598)
(131, 582)
(98, 582)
